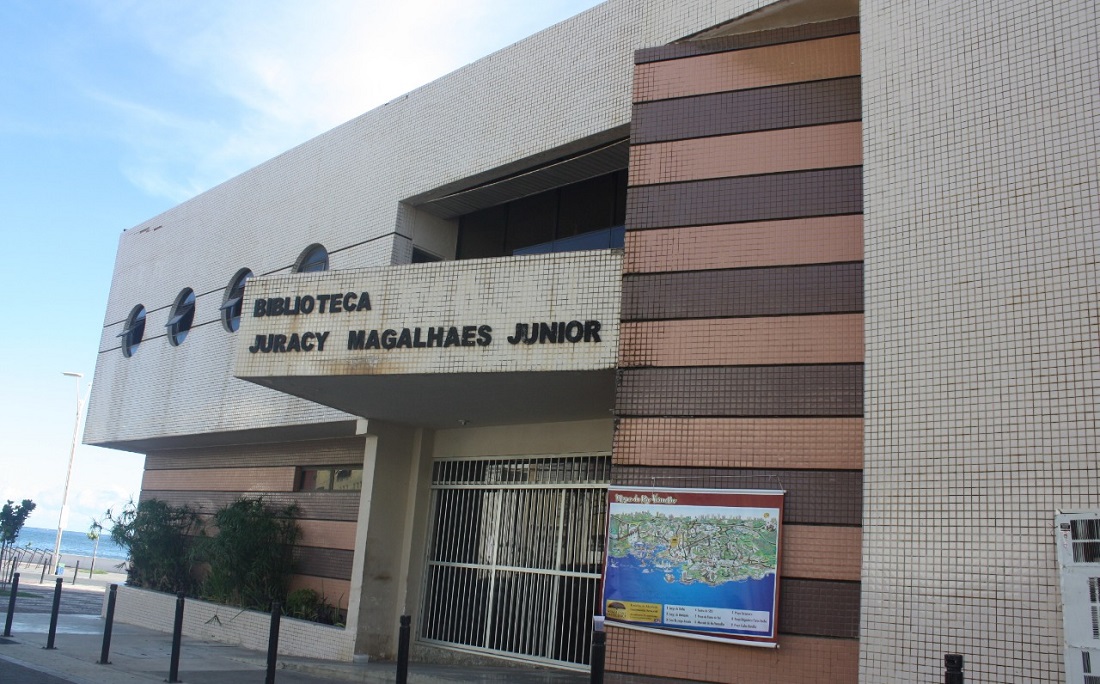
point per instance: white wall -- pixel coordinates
(982, 327)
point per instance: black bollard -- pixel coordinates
(105, 651)
(43, 577)
(403, 649)
(177, 634)
(273, 641)
(76, 572)
(599, 646)
(952, 668)
(53, 614)
(11, 604)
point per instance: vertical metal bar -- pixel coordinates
(11, 604)
(492, 570)
(446, 551)
(426, 579)
(506, 622)
(177, 633)
(273, 641)
(556, 585)
(440, 538)
(53, 613)
(403, 650)
(76, 572)
(105, 649)
(574, 562)
(463, 549)
(599, 639)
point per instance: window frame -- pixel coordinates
(233, 300)
(306, 259)
(133, 332)
(332, 470)
(182, 319)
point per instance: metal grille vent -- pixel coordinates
(1085, 533)
(1086, 661)
(1094, 607)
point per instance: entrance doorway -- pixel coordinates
(515, 553)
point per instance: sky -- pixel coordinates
(114, 111)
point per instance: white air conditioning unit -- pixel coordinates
(1078, 538)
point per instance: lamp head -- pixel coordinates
(72, 374)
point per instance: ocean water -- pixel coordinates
(72, 543)
(629, 579)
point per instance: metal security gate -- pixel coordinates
(515, 553)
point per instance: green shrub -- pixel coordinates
(251, 557)
(158, 539)
(307, 604)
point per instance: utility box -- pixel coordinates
(1078, 538)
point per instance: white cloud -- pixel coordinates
(283, 71)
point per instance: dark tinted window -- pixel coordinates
(134, 330)
(234, 296)
(586, 206)
(548, 221)
(313, 260)
(331, 479)
(182, 317)
(531, 221)
(481, 234)
(422, 257)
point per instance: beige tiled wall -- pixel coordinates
(983, 337)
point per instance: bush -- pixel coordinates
(251, 557)
(307, 604)
(158, 539)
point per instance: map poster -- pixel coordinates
(701, 563)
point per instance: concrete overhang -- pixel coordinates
(479, 342)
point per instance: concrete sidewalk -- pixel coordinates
(143, 655)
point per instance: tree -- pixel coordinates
(158, 539)
(12, 518)
(95, 531)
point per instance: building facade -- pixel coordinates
(846, 251)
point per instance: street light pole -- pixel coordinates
(56, 557)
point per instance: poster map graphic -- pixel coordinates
(698, 562)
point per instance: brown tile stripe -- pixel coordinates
(797, 194)
(798, 659)
(329, 534)
(692, 48)
(743, 341)
(744, 111)
(815, 443)
(742, 391)
(819, 608)
(811, 60)
(747, 154)
(814, 497)
(822, 552)
(777, 291)
(335, 591)
(314, 505)
(321, 562)
(221, 479)
(316, 452)
(767, 243)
